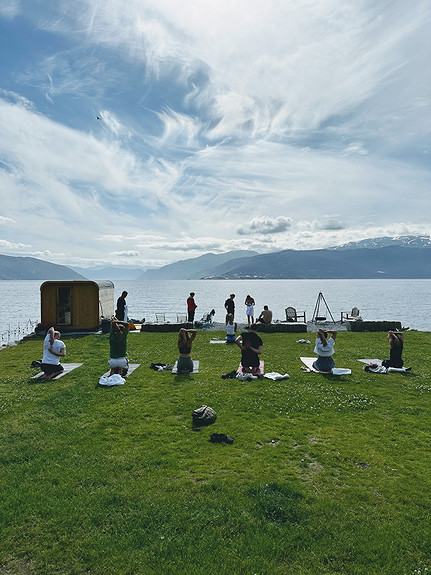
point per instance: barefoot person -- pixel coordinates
(251, 347)
(325, 350)
(53, 349)
(229, 305)
(396, 344)
(265, 316)
(250, 303)
(185, 341)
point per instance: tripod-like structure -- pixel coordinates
(317, 314)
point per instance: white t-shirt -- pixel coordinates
(324, 351)
(230, 329)
(57, 346)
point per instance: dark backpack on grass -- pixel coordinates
(204, 415)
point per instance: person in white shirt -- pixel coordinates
(53, 349)
(325, 349)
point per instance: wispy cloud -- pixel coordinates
(5, 244)
(315, 114)
(5, 220)
(9, 8)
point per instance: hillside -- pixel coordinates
(24, 268)
(386, 257)
(387, 262)
(196, 268)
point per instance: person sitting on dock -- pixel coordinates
(396, 344)
(53, 349)
(325, 349)
(251, 347)
(118, 347)
(185, 341)
(265, 316)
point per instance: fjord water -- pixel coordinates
(405, 300)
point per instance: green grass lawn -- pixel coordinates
(326, 474)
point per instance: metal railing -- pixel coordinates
(15, 334)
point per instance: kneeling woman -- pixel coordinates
(325, 349)
(396, 344)
(231, 327)
(251, 347)
(185, 340)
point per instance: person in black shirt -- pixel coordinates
(229, 305)
(251, 347)
(396, 344)
(121, 304)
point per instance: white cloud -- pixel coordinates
(265, 225)
(316, 113)
(4, 220)
(127, 253)
(7, 245)
(10, 8)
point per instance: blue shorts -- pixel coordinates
(324, 363)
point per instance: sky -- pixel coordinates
(140, 133)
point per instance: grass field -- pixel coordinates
(325, 475)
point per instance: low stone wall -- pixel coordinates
(285, 327)
(373, 325)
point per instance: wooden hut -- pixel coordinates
(76, 305)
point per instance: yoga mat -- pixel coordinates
(195, 367)
(260, 371)
(132, 367)
(68, 367)
(308, 362)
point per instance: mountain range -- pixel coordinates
(396, 257)
(386, 257)
(23, 268)
(197, 268)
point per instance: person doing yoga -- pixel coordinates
(396, 344)
(251, 347)
(185, 341)
(325, 349)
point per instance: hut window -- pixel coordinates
(64, 315)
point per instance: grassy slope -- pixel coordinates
(326, 474)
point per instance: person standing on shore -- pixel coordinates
(53, 349)
(250, 303)
(229, 305)
(191, 307)
(121, 306)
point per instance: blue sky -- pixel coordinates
(226, 125)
